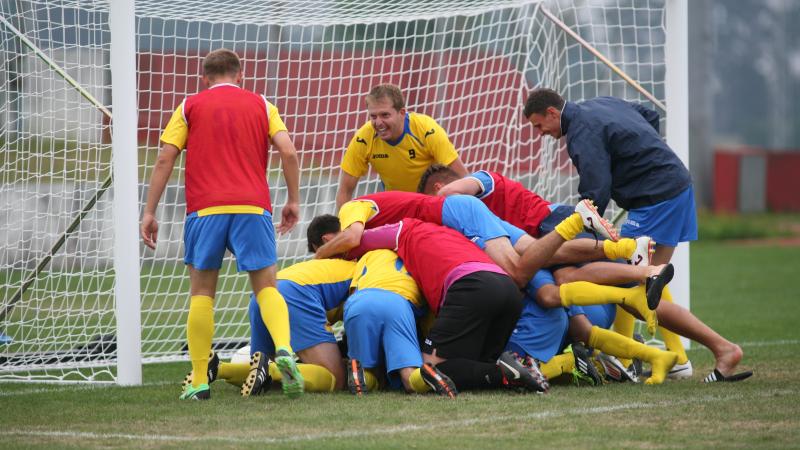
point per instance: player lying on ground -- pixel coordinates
(475, 302)
(227, 205)
(380, 325)
(462, 213)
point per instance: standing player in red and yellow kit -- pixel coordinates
(226, 132)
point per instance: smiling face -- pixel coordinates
(548, 123)
(386, 120)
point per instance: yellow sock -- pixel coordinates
(417, 383)
(558, 365)
(233, 373)
(199, 331)
(317, 378)
(371, 380)
(671, 340)
(275, 315)
(623, 248)
(616, 345)
(584, 293)
(624, 324)
(570, 227)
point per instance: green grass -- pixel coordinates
(742, 291)
(747, 226)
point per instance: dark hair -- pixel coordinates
(389, 91)
(221, 62)
(321, 225)
(541, 99)
(434, 173)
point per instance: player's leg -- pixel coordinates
(364, 324)
(252, 240)
(606, 272)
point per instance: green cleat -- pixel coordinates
(202, 392)
(291, 379)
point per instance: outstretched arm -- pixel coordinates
(466, 186)
(347, 185)
(162, 170)
(342, 242)
(290, 213)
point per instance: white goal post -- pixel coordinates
(82, 301)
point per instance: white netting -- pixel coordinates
(469, 64)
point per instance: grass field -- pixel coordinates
(743, 291)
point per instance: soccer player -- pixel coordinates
(397, 143)
(463, 213)
(312, 290)
(619, 154)
(226, 132)
(475, 302)
(380, 325)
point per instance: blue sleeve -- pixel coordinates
(590, 156)
(651, 116)
(486, 181)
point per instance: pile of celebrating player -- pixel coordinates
(472, 282)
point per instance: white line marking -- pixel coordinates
(72, 387)
(390, 430)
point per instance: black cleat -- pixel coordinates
(439, 382)
(655, 286)
(517, 376)
(258, 380)
(615, 370)
(356, 382)
(716, 376)
(584, 366)
(213, 370)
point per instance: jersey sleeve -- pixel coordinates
(485, 180)
(438, 143)
(177, 130)
(275, 122)
(356, 211)
(384, 237)
(355, 158)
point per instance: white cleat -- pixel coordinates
(614, 370)
(681, 371)
(645, 247)
(593, 221)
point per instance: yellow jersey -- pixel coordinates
(400, 164)
(383, 269)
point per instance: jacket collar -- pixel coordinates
(568, 112)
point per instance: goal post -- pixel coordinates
(103, 304)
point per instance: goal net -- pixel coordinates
(467, 63)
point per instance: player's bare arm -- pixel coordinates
(290, 213)
(347, 185)
(348, 239)
(162, 170)
(466, 186)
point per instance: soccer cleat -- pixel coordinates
(213, 369)
(517, 376)
(202, 392)
(645, 247)
(356, 382)
(584, 366)
(439, 382)
(291, 378)
(594, 222)
(681, 371)
(615, 370)
(536, 373)
(655, 285)
(717, 376)
(258, 379)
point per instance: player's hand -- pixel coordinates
(290, 214)
(149, 230)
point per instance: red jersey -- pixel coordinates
(226, 149)
(510, 201)
(394, 206)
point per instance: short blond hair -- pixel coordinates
(389, 91)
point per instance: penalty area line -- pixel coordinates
(388, 430)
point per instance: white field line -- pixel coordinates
(72, 388)
(389, 430)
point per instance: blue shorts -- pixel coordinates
(540, 332)
(470, 217)
(668, 222)
(307, 321)
(381, 327)
(250, 237)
